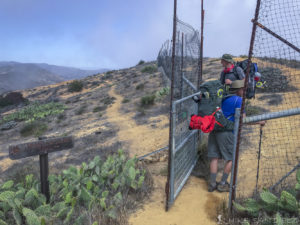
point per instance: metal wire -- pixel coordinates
(276, 52)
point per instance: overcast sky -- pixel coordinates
(113, 33)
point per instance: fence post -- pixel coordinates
(234, 160)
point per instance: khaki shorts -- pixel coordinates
(220, 145)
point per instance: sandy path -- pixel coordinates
(194, 205)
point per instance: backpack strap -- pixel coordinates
(235, 72)
(218, 108)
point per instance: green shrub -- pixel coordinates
(108, 100)
(61, 116)
(148, 100)
(34, 112)
(81, 110)
(99, 108)
(125, 100)
(141, 62)
(140, 87)
(35, 128)
(252, 110)
(162, 92)
(75, 86)
(149, 69)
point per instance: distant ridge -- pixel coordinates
(18, 76)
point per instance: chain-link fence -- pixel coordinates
(269, 155)
(187, 51)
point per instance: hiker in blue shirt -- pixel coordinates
(220, 143)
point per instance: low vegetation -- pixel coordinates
(5, 102)
(36, 128)
(12, 98)
(149, 69)
(141, 62)
(109, 100)
(162, 93)
(252, 110)
(34, 112)
(272, 209)
(81, 110)
(97, 191)
(140, 86)
(148, 100)
(125, 100)
(275, 80)
(75, 86)
(99, 108)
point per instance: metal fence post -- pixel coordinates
(234, 160)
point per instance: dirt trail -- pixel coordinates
(194, 204)
(140, 139)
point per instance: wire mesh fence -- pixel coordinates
(270, 155)
(187, 51)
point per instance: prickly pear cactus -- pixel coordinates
(268, 198)
(288, 202)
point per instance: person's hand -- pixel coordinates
(227, 81)
(262, 123)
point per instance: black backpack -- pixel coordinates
(250, 92)
(212, 95)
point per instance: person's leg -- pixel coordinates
(226, 172)
(213, 154)
(225, 142)
(213, 171)
(228, 165)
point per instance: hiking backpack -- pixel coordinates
(253, 77)
(210, 113)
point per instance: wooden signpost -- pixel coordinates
(41, 148)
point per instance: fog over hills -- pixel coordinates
(17, 76)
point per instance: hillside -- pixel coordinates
(107, 115)
(18, 76)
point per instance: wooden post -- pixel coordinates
(41, 148)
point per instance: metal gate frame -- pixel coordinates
(178, 178)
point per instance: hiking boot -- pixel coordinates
(212, 187)
(223, 187)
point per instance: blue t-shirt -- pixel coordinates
(229, 105)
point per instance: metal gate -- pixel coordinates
(185, 74)
(183, 155)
